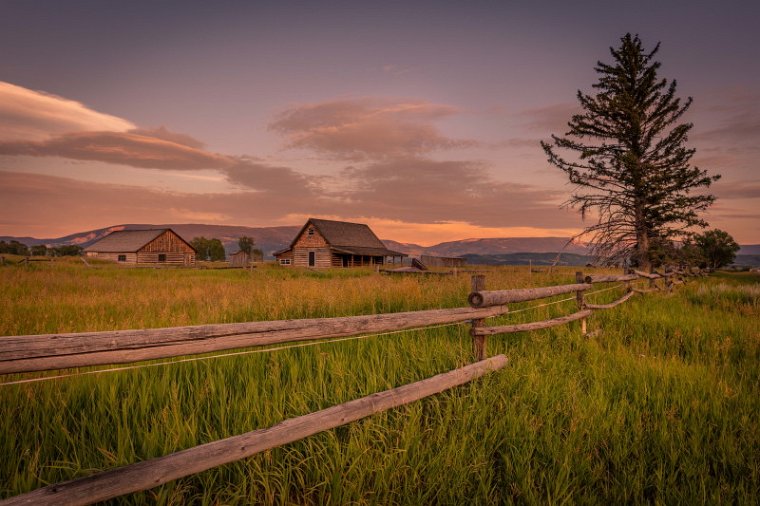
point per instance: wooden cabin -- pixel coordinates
(328, 243)
(240, 259)
(143, 247)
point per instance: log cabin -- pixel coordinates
(240, 259)
(327, 243)
(143, 247)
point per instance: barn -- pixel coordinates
(328, 243)
(240, 259)
(143, 247)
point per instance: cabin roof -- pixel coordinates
(346, 237)
(128, 241)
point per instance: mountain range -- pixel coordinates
(270, 239)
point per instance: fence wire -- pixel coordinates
(280, 348)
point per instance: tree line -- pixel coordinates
(212, 250)
(40, 250)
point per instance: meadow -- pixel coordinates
(659, 404)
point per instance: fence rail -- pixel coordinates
(154, 472)
(32, 353)
(20, 354)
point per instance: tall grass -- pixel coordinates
(659, 406)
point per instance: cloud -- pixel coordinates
(738, 190)
(163, 133)
(262, 177)
(49, 205)
(429, 191)
(127, 148)
(28, 115)
(367, 128)
(551, 119)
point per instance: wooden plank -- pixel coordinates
(580, 302)
(59, 351)
(478, 283)
(647, 275)
(610, 279)
(501, 297)
(524, 327)
(612, 304)
(154, 472)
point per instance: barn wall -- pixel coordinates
(310, 241)
(131, 257)
(288, 255)
(322, 259)
(168, 242)
(177, 251)
(240, 259)
(172, 258)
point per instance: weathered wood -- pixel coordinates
(524, 327)
(612, 304)
(501, 297)
(59, 351)
(580, 302)
(610, 279)
(154, 472)
(647, 275)
(478, 283)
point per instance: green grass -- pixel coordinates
(659, 406)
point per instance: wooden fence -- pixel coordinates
(23, 354)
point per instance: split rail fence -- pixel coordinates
(34, 353)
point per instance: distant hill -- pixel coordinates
(497, 246)
(528, 259)
(749, 249)
(268, 239)
(498, 251)
(506, 245)
(747, 260)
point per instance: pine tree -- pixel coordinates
(629, 162)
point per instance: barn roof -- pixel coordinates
(346, 237)
(126, 241)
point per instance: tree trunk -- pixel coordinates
(642, 240)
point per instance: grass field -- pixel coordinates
(661, 405)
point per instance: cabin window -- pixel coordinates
(284, 261)
(162, 257)
(311, 231)
(312, 259)
(122, 258)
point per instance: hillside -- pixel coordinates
(496, 251)
(566, 259)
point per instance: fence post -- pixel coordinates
(478, 283)
(579, 300)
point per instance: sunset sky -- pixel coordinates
(422, 119)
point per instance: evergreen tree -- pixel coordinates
(629, 159)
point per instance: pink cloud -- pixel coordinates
(127, 148)
(28, 115)
(367, 128)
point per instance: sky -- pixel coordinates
(421, 119)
